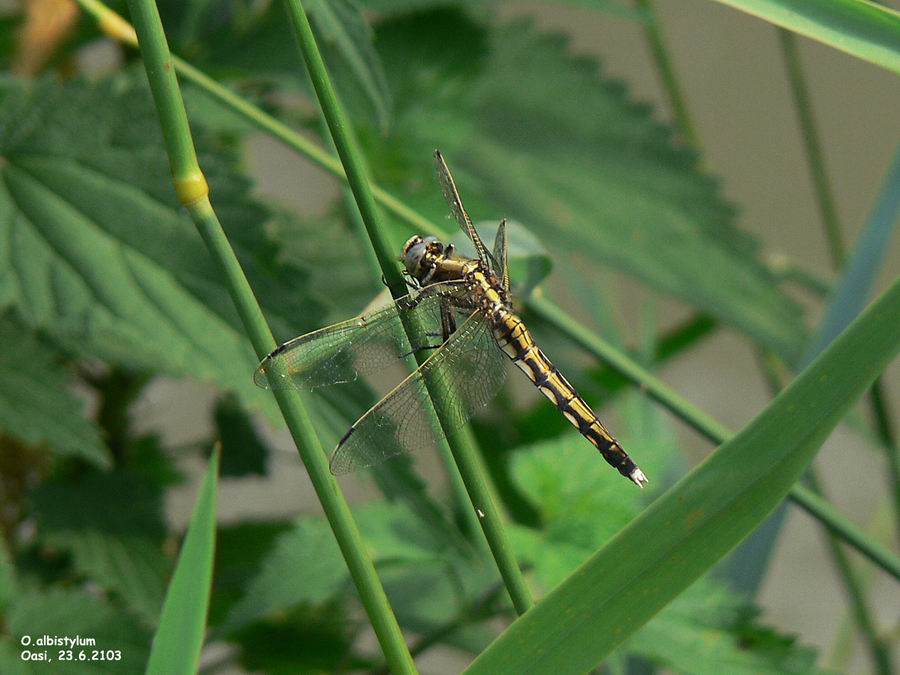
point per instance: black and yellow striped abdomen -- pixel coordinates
(515, 340)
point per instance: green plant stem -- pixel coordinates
(659, 51)
(464, 452)
(878, 650)
(885, 429)
(824, 196)
(707, 426)
(187, 176)
(119, 29)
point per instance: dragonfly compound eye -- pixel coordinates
(413, 257)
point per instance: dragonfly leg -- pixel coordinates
(421, 348)
(448, 321)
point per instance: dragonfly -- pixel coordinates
(459, 312)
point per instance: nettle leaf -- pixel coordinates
(703, 632)
(97, 252)
(58, 612)
(538, 136)
(112, 525)
(253, 43)
(36, 406)
(582, 504)
(395, 536)
(240, 550)
(244, 452)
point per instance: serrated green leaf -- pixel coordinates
(243, 451)
(305, 566)
(72, 613)
(240, 550)
(117, 502)
(534, 135)
(254, 43)
(36, 406)
(112, 524)
(687, 530)
(97, 252)
(179, 637)
(394, 534)
(342, 28)
(133, 567)
(317, 641)
(699, 634)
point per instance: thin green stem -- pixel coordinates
(878, 650)
(671, 86)
(464, 451)
(888, 437)
(708, 427)
(119, 29)
(813, 146)
(187, 177)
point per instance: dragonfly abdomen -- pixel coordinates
(516, 341)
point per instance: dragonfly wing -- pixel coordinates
(501, 259)
(364, 345)
(451, 194)
(462, 376)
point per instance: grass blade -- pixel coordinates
(865, 262)
(863, 29)
(179, 638)
(703, 516)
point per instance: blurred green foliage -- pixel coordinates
(105, 286)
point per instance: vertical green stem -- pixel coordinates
(878, 650)
(885, 429)
(659, 51)
(813, 146)
(191, 188)
(462, 446)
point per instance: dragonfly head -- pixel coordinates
(418, 251)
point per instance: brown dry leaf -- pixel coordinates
(46, 25)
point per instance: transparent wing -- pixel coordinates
(451, 194)
(364, 345)
(464, 375)
(500, 257)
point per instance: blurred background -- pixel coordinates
(734, 80)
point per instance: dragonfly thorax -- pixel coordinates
(428, 260)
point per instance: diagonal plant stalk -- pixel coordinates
(461, 445)
(119, 29)
(193, 192)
